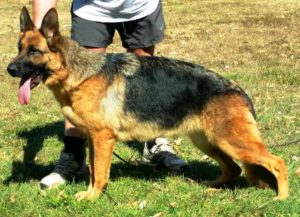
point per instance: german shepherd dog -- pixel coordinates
(122, 97)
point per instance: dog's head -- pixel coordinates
(38, 57)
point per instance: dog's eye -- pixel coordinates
(33, 51)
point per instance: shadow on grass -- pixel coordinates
(201, 171)
(196, 172)
(26, 170)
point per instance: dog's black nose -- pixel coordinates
(12, 69)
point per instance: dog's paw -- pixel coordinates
(87, 195)
(284, 197)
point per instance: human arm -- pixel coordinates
(39, 9)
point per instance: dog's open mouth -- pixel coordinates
(26, 84)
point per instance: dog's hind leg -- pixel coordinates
(230, 125)
(253, 158)
(229, 168)
(259, 176)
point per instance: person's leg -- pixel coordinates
(140, 37)
(159, 152)
(72, 158)
(147, 51)
(74, 142)
(97, 49)
(71, 161)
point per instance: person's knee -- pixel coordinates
(147, 51)
(71, 130)
(97, 49)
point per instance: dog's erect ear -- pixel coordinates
(26, 23)
(50, 26)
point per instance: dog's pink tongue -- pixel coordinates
(24, 92)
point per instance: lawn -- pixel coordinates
(255, 43)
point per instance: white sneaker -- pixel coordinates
(162, 154)
(66, 169)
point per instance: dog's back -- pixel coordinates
(166, 91)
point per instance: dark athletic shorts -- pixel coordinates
(141, 33)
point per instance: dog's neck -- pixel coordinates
(78, 65)
(80, 62)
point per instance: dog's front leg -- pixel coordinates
(101, 147)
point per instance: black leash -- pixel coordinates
(286, 143)
(105, 190)
(109, 197)
(118, 156)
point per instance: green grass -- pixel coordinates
(254, 43)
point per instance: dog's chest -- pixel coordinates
(92, 112)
